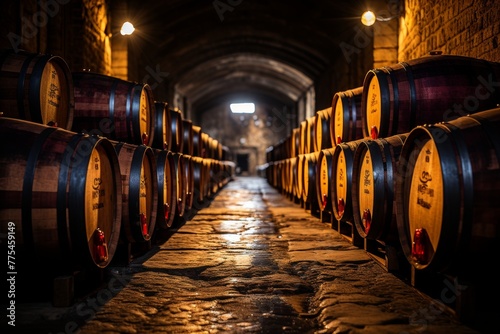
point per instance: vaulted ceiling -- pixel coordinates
(213, 49)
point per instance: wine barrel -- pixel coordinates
(342, 167)
(373, 187)
(218, 149)
(176, 141)
(346, 116)
(309, 178)
(188, 175)
(214, 149)
(219, 174)
(447, 195)
(229, 168)
(162, 131)
(187, 137)
(118, 109)
(295, 143)
(139, 191)
(305, 140)
(37, 88)
(167, 192)
(200, 179)
(283, 176)
(214, 168)
(181, 184)
(295, 178)
(324, 179)
(197, 141)
(206, 143)
(299, 176)
(291, 176)
(426, 90)
(321, 128)
(61, 194)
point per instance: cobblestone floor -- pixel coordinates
(250, 262)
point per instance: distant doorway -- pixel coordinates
(242, 164)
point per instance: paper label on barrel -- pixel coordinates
(339, 121)
(426, 193)
(366, 179)
(373, 105)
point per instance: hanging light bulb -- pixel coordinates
(127, 28)
(368, 18)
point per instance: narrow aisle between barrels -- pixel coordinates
(249, 262)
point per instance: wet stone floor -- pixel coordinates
(249, 262)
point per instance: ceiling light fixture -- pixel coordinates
(242, 108)
(369, 18)
(127, 28)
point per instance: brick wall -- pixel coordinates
(97, 50)
(460, 27)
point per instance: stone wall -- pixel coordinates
(462, 27)
(247, 133)
(97, 32)
(76, 30)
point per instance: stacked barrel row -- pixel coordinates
(89, 162)
(411, 159)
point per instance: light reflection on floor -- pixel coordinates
(231, 237)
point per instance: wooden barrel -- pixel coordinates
(426, 90)
(36, 88)
(197, 141)
(200, 180)
(284, 176)
(324, 179)
(295, 178)
(61, 194)
(373, 187)
(206, 143)
(181, 184)
(346, 122)
(167, 191)
(309, 178)
(162, 131)
(291, 176)
(176, 142)
(342, 167)
(295, 143)
(118, 109)
(188, 180)
(447, 195)
(139, 191)
(229, 168)
(213, 186)
(303, 148)
(214, 149)
(187, 137)
(219, 174)
(299, 176)
(321, 130)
